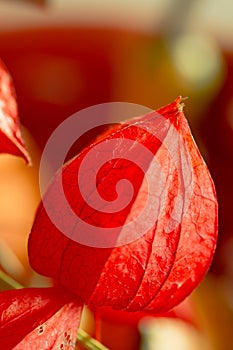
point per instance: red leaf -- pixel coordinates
(10, 137)
(38, 318)
(155, 270)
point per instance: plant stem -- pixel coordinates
(89, 342)
(7, 282)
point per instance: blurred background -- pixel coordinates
(65, 55)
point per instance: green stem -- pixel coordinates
(89, 342)
(7, 282)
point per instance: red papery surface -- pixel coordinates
(156, 271)
(10, 136)
(38, 318)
